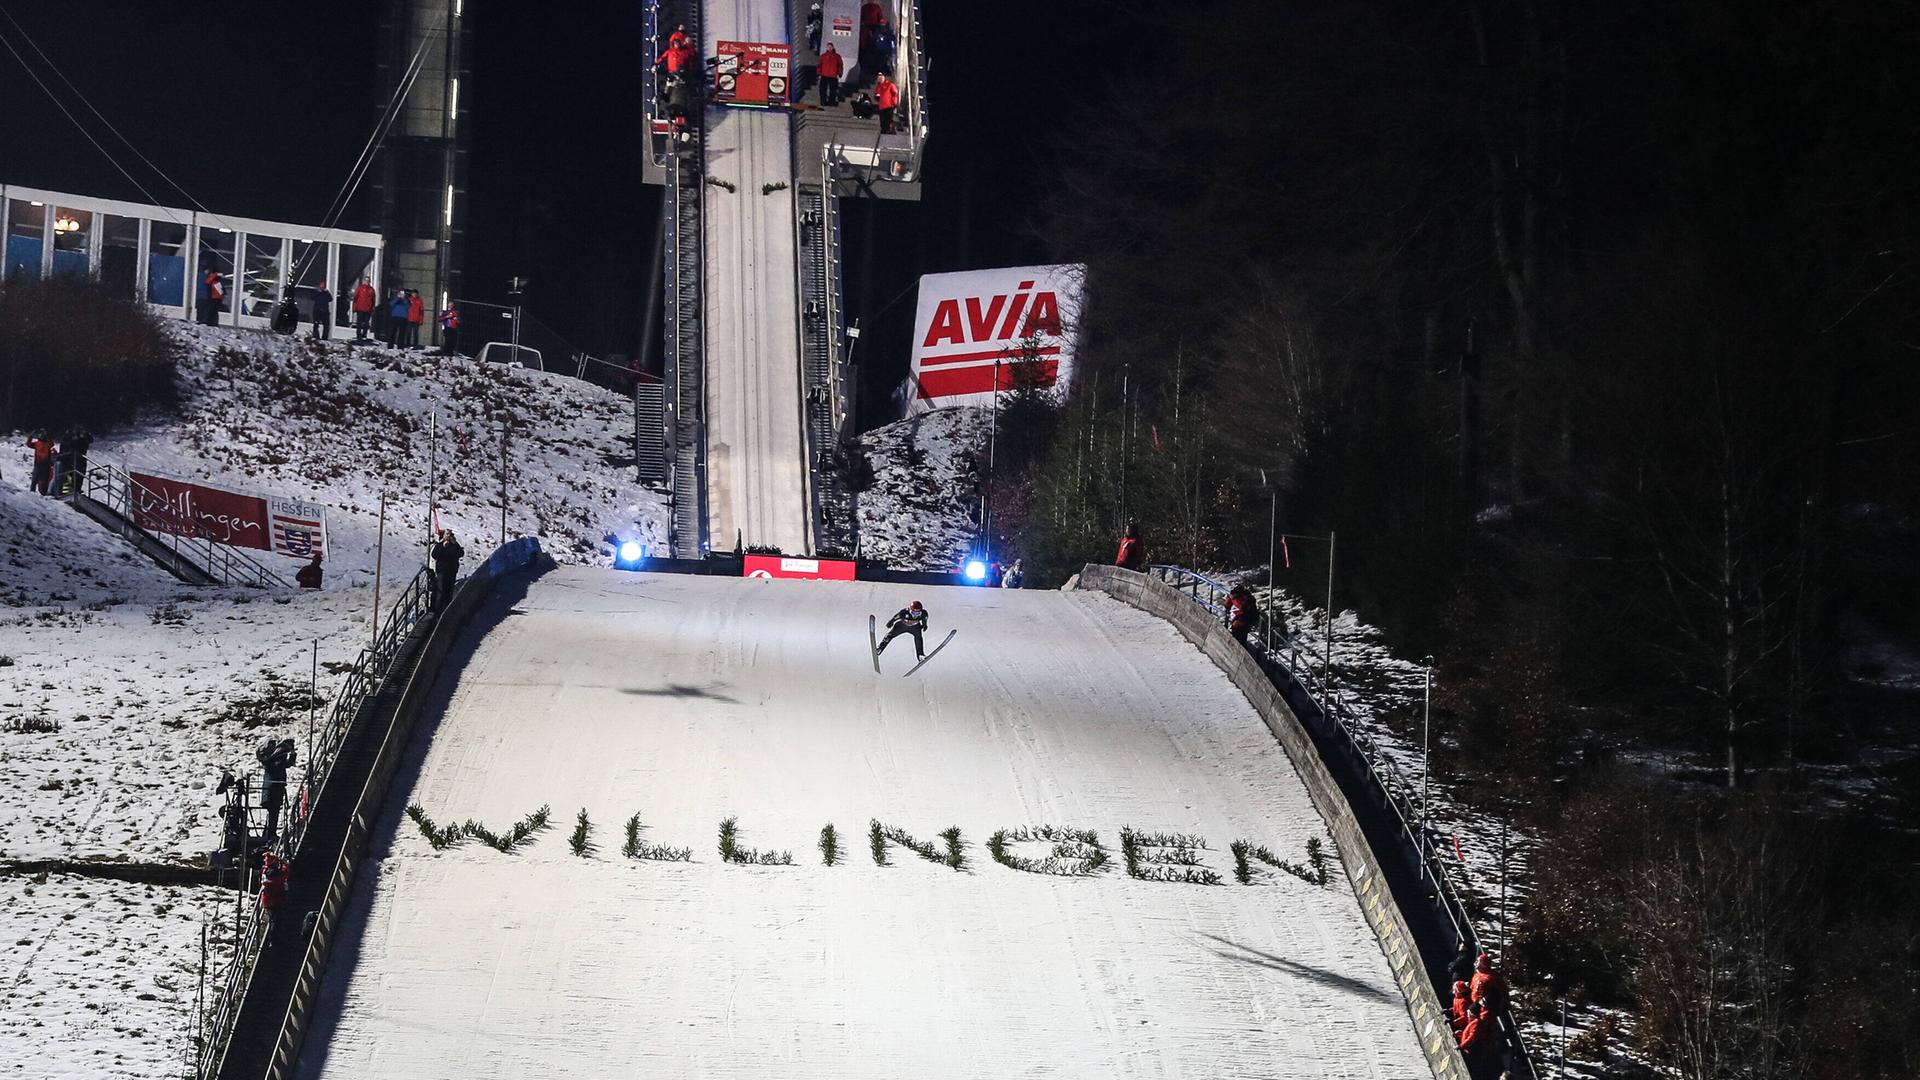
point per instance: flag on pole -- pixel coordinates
(1286, 557)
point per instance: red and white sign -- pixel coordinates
(781, 566)
(985, 330)
(264, 523)
(753, 73)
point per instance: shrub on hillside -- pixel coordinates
(72, 352)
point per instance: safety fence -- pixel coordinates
(1393, 788)
(132, 502)
(362, 681)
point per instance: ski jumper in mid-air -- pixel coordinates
(911, 619)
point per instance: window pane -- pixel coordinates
(119, 253)
(25, 222)
(167, 264)
(262, 287)
(72, 231)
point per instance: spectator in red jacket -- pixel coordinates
(1478, 1036)
(42, 446)
(886, 97)
(1489, 986)
(1133, 550)
(309, 575)
(832, 66)
(1242, 614)
(273, 890)
(363, 299)
(416, 318)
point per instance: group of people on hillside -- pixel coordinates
(59, 465)
(1479, 997)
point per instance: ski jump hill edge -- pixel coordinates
(688, 700)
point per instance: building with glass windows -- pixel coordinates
(160, 254)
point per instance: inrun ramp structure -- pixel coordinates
(687, 700)
(758, 389)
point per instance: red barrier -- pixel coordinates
(782, 566)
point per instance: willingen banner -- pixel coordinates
(273, 523)
(973, 328)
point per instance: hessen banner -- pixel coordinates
(271, 523)
(780, 566)
(982, 330)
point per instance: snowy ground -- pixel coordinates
(98, 978)
(919, 513)
(123, 691)
(687, 700)
(118, 682)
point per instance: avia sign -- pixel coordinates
(984, 330)
(781, 566)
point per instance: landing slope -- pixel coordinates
(687, 700)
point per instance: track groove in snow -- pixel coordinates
(690, 699)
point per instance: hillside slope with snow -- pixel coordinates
(919, 513)
(123, 692)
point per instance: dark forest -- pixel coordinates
(1593, 332)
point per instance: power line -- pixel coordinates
(51, 96)
(55, 68)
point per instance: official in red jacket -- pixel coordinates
(832, 66)
(886, 98)
(1479, 1034)
(1489, 986)
(363, 300)
(1133, 550)
(1457, 1012)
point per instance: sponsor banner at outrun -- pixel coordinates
(781, 566)
(284, 526)
(985, 330)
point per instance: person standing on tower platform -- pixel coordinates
(449, 320)
(886, 98)
(832, 66)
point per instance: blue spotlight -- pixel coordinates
(629, 554)
(976, 570)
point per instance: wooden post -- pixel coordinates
(379, 559)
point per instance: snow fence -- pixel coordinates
(1362, 865)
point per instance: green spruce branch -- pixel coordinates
(1167, 857)
(637, 848)
(1075, 852)
(731, 851)
(439, 838)
(519, 834)
(829, 844)
(581, 839)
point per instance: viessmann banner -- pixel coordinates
(973, 329)
(273, 523)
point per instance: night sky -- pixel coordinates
(259, 109)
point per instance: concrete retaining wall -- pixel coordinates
(1363, 867)
(286, 1020)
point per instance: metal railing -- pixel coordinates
(1382, 773)
(363, 680)
(118, 491)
